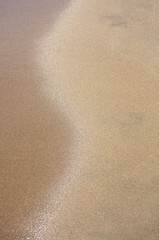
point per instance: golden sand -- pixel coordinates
(80, 125)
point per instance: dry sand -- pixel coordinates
(79, 120)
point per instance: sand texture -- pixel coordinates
(79, 120)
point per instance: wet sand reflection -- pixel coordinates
(34, 133)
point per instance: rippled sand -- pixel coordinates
(80, 129)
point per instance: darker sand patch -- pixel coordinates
(34, 135)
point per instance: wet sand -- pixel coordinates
(92, 78)
(35, 134)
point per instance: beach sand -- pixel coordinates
(79, 120)
(35, 134)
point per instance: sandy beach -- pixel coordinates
(35, 135)
(79, 120)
